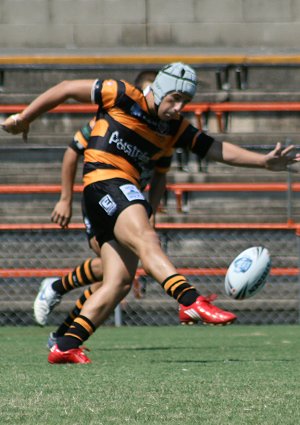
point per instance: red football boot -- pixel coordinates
(75, 355)
(203, 310)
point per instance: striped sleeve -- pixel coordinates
(163, 164)
(201, 144)
(96, 92)
(195, 140)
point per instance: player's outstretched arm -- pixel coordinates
(15, 124)
(79, 90)
(62, 212)
(279, 159)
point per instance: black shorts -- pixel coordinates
(105, 200)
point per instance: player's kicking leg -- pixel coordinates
(203, 310)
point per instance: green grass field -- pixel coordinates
(238, 375)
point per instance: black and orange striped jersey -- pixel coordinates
(80, 142)
(127, 142)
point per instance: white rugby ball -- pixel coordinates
(247, 273)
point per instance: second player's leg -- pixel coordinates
(119, 267)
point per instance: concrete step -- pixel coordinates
(256, 78)
(35, 81)
(50, 174)
(197, 207)
(38, 144)
(262, 95)
(206, 93)
(40, 162)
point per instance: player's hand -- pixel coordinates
(62, 214)
(279, 159)
(15, 124)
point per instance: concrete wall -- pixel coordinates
(149, 23)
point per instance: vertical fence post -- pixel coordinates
(118, 316)
(298, 246)
(289, 194)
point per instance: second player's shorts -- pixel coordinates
(90, 232)
(105, 200)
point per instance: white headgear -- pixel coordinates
(174, 77)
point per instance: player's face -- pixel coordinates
(171, 105)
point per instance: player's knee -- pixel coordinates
(95, 246)
(118, 288)
(125, 289)
(126, 283)
(96, 266)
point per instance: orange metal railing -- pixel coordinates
(177, 188)
(198, 109)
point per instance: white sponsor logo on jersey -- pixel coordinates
(128, 148)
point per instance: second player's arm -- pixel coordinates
(62, 211)
(156, 191)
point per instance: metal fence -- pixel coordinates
(201, 252)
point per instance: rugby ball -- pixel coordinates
(247, 273)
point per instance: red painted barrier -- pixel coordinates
(177, 188)
(196, 108)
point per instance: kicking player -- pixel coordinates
(90, 271)
(132, 130)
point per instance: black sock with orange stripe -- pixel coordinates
(73, 313)
(177, 287)
(79, 331)
(80, 276)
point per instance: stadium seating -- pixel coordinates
(233, 207)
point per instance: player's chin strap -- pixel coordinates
(146, 91)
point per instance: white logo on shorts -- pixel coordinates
(108, 204)
(131, 192)
(88, 225)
